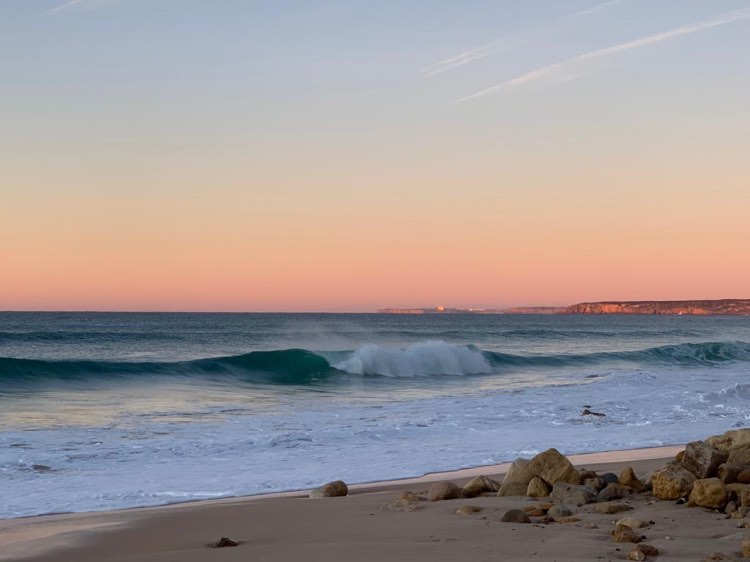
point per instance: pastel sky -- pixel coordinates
(347, 155)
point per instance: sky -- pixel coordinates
(348, 155)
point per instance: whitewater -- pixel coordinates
(104, 410)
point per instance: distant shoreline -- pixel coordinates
(721, 307)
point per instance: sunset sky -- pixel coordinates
(349, 155)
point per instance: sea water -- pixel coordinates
(105, 410)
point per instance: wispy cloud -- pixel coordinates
(64, 6)
(501, 44)
(597, 8)
(550, 69)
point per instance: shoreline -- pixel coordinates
(51, 536)
(596, 457)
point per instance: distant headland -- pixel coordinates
(696, 307)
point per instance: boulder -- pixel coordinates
(739, 455)
(512, 489)
(742, 492)
(709, 492)
(614, 492)
(733, 439)
(609, 478)
(702, 459)
(224, 542)
(629, 479)
(672, 481)
(480, 485)
(633, 523)
(745, 548)
(610, 508)
(623, 533)
(552, 466)
(335, 489)
(519, 472)
(595, 483)
(728, 473)
(743, 476)
(468, 510)
(642, 552)
(576, 494)
(406, 501)
(537, 488)
(443, 491)
(515, 516)
(558, 511)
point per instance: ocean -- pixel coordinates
(112, 410)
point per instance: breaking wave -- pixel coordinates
(300, 366)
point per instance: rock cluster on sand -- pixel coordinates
(709, 473)
(713, 474)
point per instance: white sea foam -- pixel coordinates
(419, 359)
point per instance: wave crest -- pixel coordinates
(419, 359)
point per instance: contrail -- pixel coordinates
(63, 7)
(485, 50)
(724, 19)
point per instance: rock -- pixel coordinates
(622, 533)
(614, 492)
(587, 412)
(591, 526)
(679, 456)
(585, 473)
(512, 489)
(702, 459)
(334, 489)
(480, 485)
(224, 542)
(406, 501)
(553, 467)
(443, 491)
(535, 511)
(573, 493)
(558, 511)
(633, 523)
(629, 479)
(519, 471)
(609, 478)
(742, 491)
(728, 473)
(515, 516)
(643, 551)
(41, 468)
(733, 439)
(595, 483)
(739, 456)
(537, 488)
(709, 492)
(731, 507)
(672, 481)
(612, 507)
(743, 476)
(746, 548)
(468, 510)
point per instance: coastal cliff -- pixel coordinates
(703, 307)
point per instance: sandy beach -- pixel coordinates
(290, 526)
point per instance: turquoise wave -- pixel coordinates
(300, 366)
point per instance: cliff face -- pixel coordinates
(726, 306)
